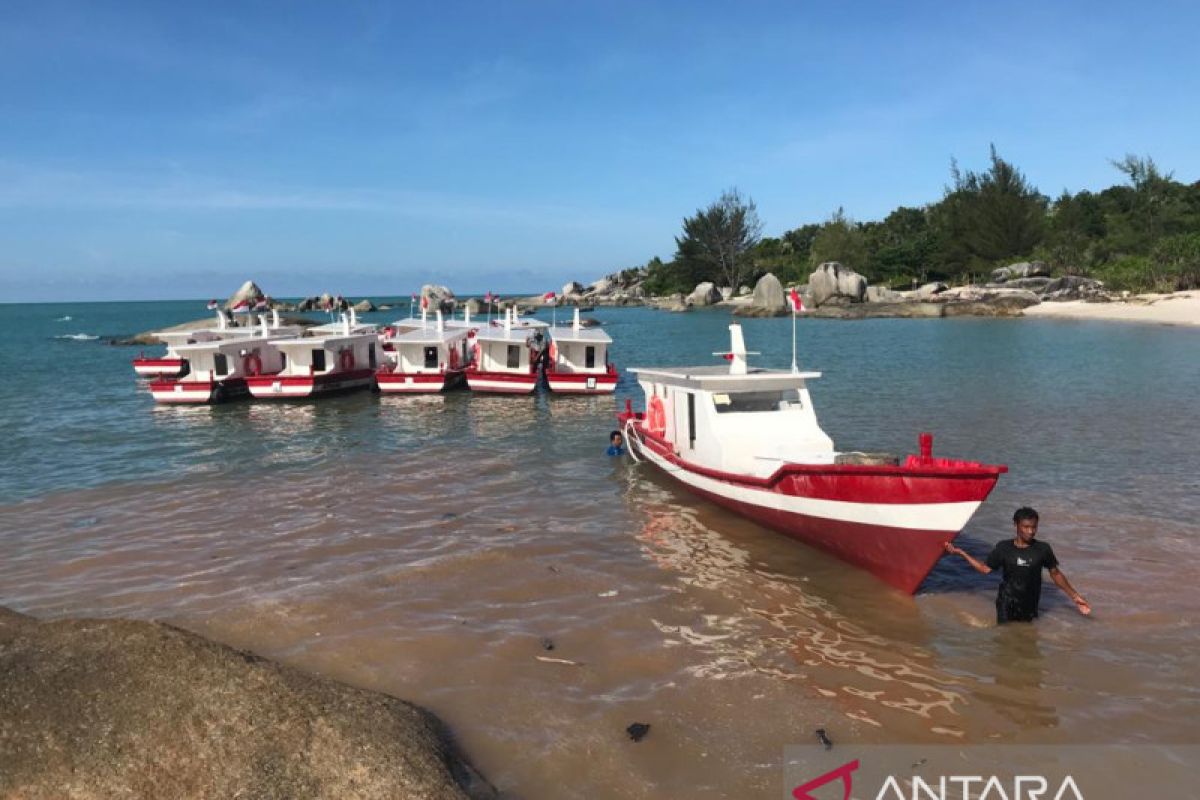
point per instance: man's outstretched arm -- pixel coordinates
(974, 562)
(1061, 581)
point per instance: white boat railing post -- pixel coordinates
(438, 322)
(795, 368)
(575, 322)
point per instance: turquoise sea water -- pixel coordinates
(424, 546)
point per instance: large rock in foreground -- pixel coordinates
(832, 279)
(114, 708)
(439, 297)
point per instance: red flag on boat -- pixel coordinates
(213, 305)
(261, 304)
(796, 302)
(487, 298)
(548, 297)
(424, 302)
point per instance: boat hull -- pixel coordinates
(416, 382)
(299, 387)
(582, 382)
(890, 521)
(158, 367)
(502, 382)
(179, 392)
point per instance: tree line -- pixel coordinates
(1141, 234)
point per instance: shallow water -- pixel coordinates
(426, 546)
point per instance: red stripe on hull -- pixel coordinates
(577, 383)
(303, 386)
(513, 383)
(164, 367)
(417, 382)
(164, 391)
(900, 557)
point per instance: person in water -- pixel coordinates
(1021, 561)
(616, 444)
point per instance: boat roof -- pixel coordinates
(321, 341)
(720, 379)
(430, 334)
(502, 334)
(573, 334)
(215, 345)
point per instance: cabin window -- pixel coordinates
(282, 360)
(514, 356)
(220, 365)
(431, 358)
(589, 357)
(371, 355)
(744, 402)
(318, 360)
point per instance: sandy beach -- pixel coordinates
(1180, 308)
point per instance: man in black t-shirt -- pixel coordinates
(1021, 561)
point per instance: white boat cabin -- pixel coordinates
(324, 355)
(579, 350)
(735, 418)
(508, 347)
(428, 350)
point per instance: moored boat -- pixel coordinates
(342, 357)
(578, 362)
(506, 357)
(172, 364)
(218, 368)
(428, 359)
(748, 439)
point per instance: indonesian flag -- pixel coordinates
(414, 297)
(795, 301)
(424, 302)
(548, 297)
(241, 305)
(261, 304)
(487, 298)
(213, 305)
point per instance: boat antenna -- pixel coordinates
(575, 322)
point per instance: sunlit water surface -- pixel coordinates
(426, 546)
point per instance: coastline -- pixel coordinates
(1179, 308)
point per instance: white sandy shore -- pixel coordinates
(1180, 308)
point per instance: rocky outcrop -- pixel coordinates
(572, 289)
(929, 291)
(364, 306)
(766, 300)
(671, 302)
(440, 297)
(705, 294)
(1022, 269)
(1074, 287)
(882, 294)
(907, 310)
(832, 279)
(249, 293)
(116, 708)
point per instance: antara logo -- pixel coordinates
(948, 787)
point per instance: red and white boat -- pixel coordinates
(340, 357)
(172, 364)
(578, 362)
(505, 357)
(748, 439)
(217, 368)
(427, 359)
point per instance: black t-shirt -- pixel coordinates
(1021, 571)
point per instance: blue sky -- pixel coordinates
(164, 150)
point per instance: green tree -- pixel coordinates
(720, 237)
(989, 216)
(840, 239)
